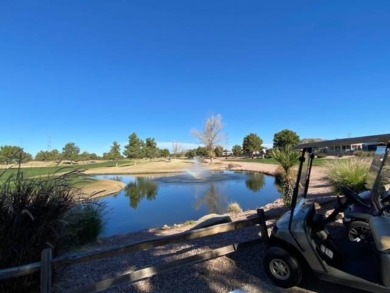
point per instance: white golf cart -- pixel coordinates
(301, 238)
(376, 197)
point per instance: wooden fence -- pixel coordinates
(47, 263)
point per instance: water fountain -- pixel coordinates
(198, 174)
(152, 202)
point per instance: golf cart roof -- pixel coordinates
(380, 138)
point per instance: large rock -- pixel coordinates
(212, 219)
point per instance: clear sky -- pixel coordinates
(93, 72)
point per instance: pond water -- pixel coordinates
(152, 202)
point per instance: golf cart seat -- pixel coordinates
(381, 235)
(380, 228)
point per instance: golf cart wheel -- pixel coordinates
(282, 268)
(358, 231)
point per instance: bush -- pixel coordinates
(363, 154)
(234, 208)
(34, 214)
(31, 210)
(84, 222)
(351, 172)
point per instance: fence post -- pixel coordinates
(263, 226)
(46, 257)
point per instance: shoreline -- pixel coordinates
(237, 270)
(102, 188)
(319, 187)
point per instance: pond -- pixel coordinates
(152, 202)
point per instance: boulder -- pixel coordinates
(212, 219)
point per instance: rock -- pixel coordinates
(212, 219)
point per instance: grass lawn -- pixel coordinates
(47, 171)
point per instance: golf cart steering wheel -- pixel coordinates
(353, 196)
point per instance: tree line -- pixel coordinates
(211, 138)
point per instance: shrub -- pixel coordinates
(350, 172)
(35, 214)
(363, 154)
(84, 222)
(234, 208)
(31, 210)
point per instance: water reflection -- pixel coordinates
(255, 182)
(154, 202)
(139, 189)
(116, 178)
(215, 201)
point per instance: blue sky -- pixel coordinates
(93, 72)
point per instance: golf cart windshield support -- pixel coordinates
(302, 183)
(296, 188)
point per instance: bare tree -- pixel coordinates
(211, 135)
(177, 148)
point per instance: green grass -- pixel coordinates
(44, 171)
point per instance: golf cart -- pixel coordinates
(377, 197)
(301, 238)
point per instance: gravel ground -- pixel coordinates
(239, 270)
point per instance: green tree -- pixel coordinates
(70, 151)
(237, 150)
(211, 135)
(94, 156)
(202, 152)
(115, 152)
(284, 138)
(252, 143)
(134, 150)
(25, 157)
(84, 156)
(150, 149)
(164, 153)
(52, 155)
(10, 154)
(218, 151)
(190, 154)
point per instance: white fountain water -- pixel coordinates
(197, 171)
(198, 174)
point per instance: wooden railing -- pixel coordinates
(47, 263)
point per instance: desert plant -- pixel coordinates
(234, 208)
(350, 172)
(287, 157)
